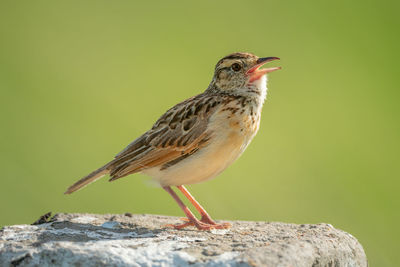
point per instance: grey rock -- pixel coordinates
(142, 240)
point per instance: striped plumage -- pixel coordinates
(198, 138)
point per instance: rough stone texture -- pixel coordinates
(141, 240)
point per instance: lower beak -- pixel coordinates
(256, 73)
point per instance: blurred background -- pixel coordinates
(80, 80)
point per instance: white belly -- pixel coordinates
(230, 139)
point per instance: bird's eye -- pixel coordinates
(236, 66)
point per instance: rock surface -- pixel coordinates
(142, 240)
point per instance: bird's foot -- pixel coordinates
(208, 220)
(204, 224)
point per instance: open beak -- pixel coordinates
(256, 73)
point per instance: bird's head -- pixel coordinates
(239, 71)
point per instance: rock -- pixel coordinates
(142, 240)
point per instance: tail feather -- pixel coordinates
(97, 174)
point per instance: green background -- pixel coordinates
(79, 80)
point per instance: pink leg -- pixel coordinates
(192, 219)
(205, 218)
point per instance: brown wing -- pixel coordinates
(181, 131)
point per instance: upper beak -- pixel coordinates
(256, 73)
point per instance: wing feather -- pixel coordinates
(176, 135)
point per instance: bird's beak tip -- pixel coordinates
(266, 59)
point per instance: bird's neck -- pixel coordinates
(255, 92)
(257, 89)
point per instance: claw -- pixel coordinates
(210, 221)
(179, 226)
(224, 225)
(199, 225)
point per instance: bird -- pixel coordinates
(199, 137)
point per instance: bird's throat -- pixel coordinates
(258, 89)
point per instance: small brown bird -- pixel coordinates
(198, 138)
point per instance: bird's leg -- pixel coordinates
(204, 215)
(205, 218)
(192, 220)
